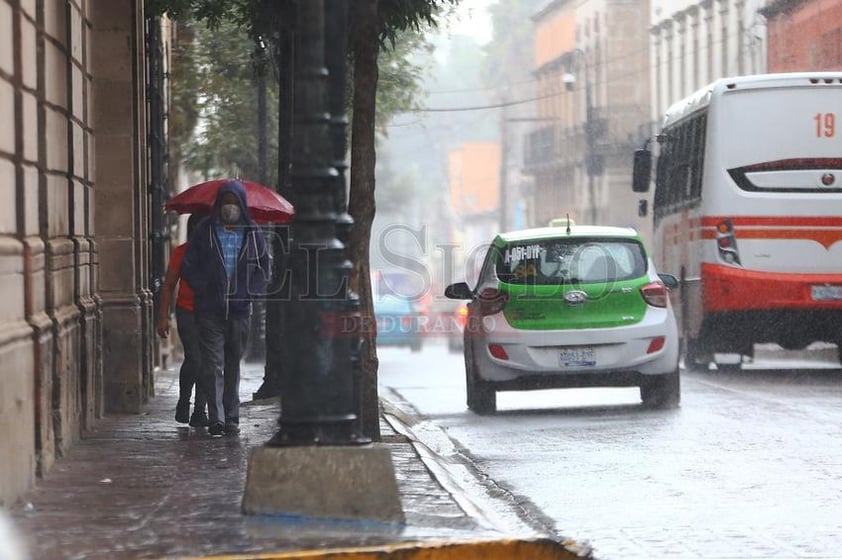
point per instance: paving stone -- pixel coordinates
(142, 486)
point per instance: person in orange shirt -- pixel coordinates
(188, 333)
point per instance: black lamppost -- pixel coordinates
(592, 164)
(314, 465)
(317, 396)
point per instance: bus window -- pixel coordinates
(698, 157)
(662, 184)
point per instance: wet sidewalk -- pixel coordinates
(143, 486)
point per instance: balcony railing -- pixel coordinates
(562, 145)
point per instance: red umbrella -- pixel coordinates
(264, 204)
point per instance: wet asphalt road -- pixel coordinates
(750, 465)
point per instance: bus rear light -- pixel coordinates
(498, 351)
(656, 344)
(655, 294)
(726, 242)
(491, 301)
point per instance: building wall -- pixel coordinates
(474, 183)
(52, 64)
(602, 64)
(695, 42)
(474, 172)
(804, 35)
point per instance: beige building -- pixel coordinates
(593, 102)
(695, 42)
(76, 331)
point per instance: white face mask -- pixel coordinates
(230, 213)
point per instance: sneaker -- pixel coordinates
(182, 411)
(199, 420)
(232, 428)
(216, 429)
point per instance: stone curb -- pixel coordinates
(402, 425)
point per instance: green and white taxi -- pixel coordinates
(569, 306)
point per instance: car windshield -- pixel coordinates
(561, 261)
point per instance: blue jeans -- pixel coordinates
(222, 342)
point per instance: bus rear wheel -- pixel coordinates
(695, 354)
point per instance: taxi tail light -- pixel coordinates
(655, 294)
(498, 351)
(491, 301)
(726, 242)
(462, 315)
(406, 322)
(656, 344)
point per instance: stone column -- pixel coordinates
(695, 74)
(119, 202)
(707, 7)
(21, 412)
(58, 26)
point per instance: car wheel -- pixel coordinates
(415, 346)
(482, 398)
(662, 391)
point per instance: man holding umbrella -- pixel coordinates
(227, 266)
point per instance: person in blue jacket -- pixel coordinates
(227, 266)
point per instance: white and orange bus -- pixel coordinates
(747, 210)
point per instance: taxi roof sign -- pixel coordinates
(560, 222)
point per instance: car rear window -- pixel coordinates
(574, 260)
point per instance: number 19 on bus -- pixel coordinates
(825, 125)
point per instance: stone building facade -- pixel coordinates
(76, 331)
(592, 72)
(695, 42)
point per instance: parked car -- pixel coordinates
(573, 306)
(397, 323)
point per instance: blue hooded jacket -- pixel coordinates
(203, 267)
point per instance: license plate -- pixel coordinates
(577, 357)
(827, 293)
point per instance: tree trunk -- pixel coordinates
(361, 199)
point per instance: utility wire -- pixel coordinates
(597, 82)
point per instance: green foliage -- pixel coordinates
(399, 16)
(214, 76)
(210, 12)
(400, 76)
(184, 112)
(396, 16)
(220, 77)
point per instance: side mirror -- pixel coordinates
(642, 171)
(669, 280)
(460, 290)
